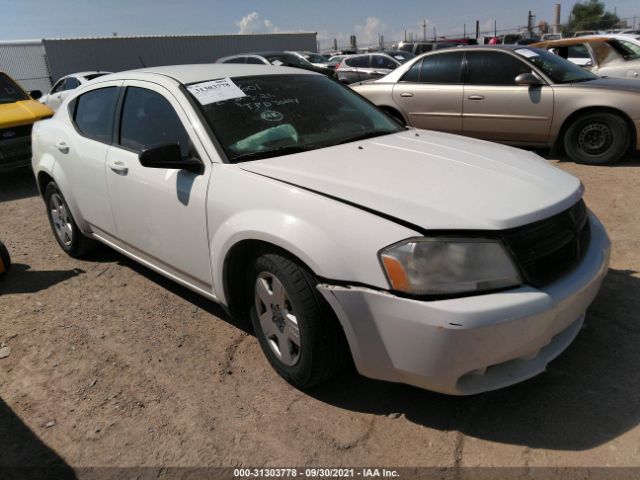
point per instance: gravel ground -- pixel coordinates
(112, 365)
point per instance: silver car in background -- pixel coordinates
(516, 95)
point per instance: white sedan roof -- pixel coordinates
(187, 74)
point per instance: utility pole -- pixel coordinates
(424, 30)
(477, 29)
(530, 20)
(405, 34)
(464, 30)
(495, 28)
(434, 32)
(335, 44)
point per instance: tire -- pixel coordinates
(319, 350)
(597, 139)
(64, 227)
(5, 260)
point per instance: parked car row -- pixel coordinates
(427, 258)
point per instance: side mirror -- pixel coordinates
(589, 64)
(528, 79)
(169, 156)
(35, 94)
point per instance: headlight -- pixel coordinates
(440, 266)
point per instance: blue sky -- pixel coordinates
(22, 19)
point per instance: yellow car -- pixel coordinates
(19, 110)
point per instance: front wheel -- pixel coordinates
(297, 330)
(64, 227)
(597, 139)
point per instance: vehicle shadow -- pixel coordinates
(17, 184)
(108, 255)
(21, 279)
(23, 455)
(588, 396)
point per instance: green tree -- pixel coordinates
(591, 15)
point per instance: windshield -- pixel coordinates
(9, 91)
(628, 50)
(556, 68)
(283, 114)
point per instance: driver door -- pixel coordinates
(160, 214)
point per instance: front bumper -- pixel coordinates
(473, 344)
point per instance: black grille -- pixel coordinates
(551, 248)
(15, 145)
(15, 132)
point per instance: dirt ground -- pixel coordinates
(112, 365)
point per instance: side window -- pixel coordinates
(94, 112)
(254, 61)
(407, 47)
(442, 68)
(358, 62)
(413, 75)
(58, 86)
(494, 68)
(71, 83)
(380, 61)
(235, 60)
(148, 119)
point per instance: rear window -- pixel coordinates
(9, 91)
(94, 112)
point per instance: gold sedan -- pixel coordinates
(515, 95)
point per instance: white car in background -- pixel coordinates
(63, 87)
(431, 259)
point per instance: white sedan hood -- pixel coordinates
(432, 180)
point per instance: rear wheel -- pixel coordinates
(297, 330)
(597, 139)
(64, 227)
(5, 260)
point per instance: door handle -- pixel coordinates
(406, 94)
(62, 146)
(118, 166)
(476, 97)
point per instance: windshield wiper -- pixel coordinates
(274, 152)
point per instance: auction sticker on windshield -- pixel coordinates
(525, 52)
(215, 91)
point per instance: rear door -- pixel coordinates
(430, 93)
(495, 108)
(159, 213)
(81, 153)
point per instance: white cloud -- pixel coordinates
(368, 33)
(251, 23)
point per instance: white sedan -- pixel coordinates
(63, 87)
(430, 259)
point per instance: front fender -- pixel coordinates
(336, 241)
